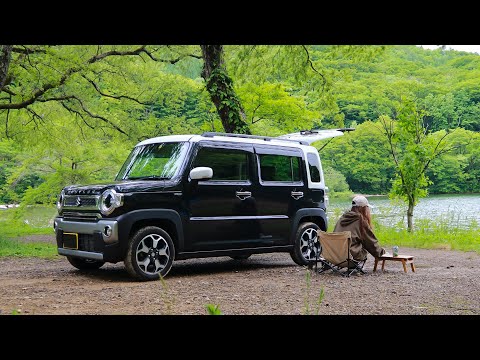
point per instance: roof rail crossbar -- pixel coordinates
(264, 138)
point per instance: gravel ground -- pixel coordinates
(445, 283)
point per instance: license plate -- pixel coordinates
(70, 241)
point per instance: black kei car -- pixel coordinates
(190, 196)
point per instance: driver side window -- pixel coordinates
(227, 165)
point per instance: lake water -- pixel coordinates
(454, 210)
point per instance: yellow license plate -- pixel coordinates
(70, 241)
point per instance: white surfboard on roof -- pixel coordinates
(310, 136)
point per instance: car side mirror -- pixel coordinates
(201, 173)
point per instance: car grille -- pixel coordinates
(81, 202)
(82, 217)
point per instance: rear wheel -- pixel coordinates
(306, 247)
(150, 253)
(85, 264)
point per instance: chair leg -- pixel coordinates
(383, 265)
(375, 265)
(413, 266)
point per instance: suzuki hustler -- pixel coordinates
(191, 196)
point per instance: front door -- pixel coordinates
(222, 209)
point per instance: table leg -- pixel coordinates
(413, 266)
(375, 265)
(404, 265)
(383, 265)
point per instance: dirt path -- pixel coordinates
(446, 282)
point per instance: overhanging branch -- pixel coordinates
(95, 116)
(117, 97)
(25, 51)
(310, 62)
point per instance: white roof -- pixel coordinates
(281, 140)
(169, 138)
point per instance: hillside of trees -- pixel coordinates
(71, 114)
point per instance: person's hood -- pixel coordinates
(349, 218)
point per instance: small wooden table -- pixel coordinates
(405, 259)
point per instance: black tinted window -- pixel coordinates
(314, 166)
(279, 168)
(226, 164)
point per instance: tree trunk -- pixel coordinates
(220, 87)
(410, 214)
(5, 56)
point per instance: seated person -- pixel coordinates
(358, 221)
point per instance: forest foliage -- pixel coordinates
(103, 100)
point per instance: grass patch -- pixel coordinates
(22, 221)
(28, 220)
(9, 247)
(431, 238)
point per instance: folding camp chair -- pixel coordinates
(335, 254)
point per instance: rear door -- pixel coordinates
(279, 190)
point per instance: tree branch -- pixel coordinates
(58, 98)
(98, 57)
(118, 97)
(435, 153)
(190, 55)
(25, 51)
(82, 105)
(5, 57)
(8, 91)
(77, 113)
(389, 133)
(40, 92)
(310, 62)
(172, 61)
(37, 94)
(6, 121)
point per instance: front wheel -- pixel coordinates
(306, 247)
(85, 264)
(150, 253)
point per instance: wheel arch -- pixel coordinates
(168, 220)
(315, 215)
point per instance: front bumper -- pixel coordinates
(94, 241)
(81, 254)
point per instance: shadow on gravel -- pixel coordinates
(188, 267)
(118, 273)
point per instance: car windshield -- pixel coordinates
(154, 161)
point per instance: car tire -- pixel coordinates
(241, 257)
(85, 264)
(302, 253)
(150, 254)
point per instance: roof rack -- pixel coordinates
(264, 138)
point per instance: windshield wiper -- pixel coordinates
(150, 177)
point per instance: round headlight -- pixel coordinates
(109, 201)
(60, 201)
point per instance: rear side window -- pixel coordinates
(279, 168)
(226, 164)
(314, 167)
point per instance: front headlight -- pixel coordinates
(60, 201)
(109, 201)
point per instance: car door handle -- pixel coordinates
(242, 195)
(297, 194)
